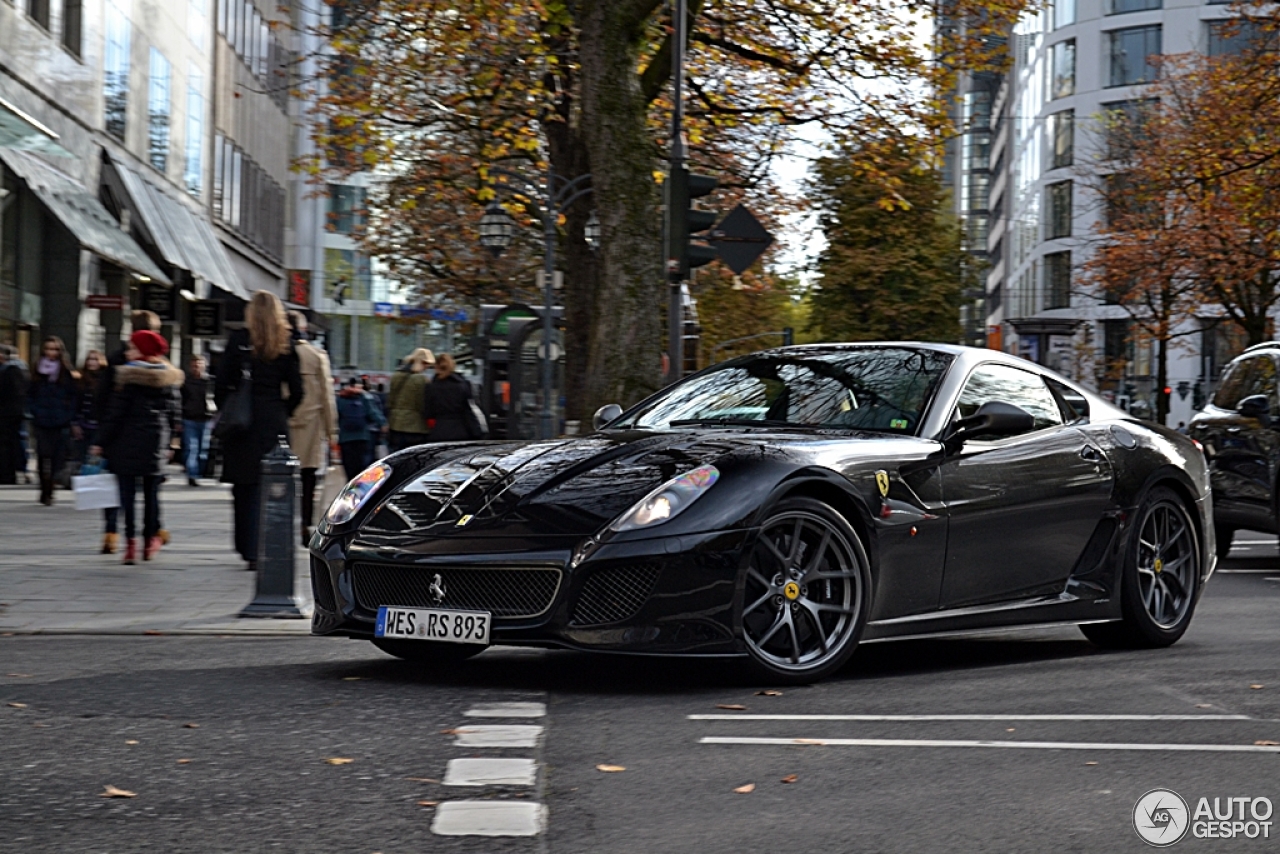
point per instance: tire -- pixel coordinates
(1160, 577)
(1224, 537)
(805, 593)
(427, 653)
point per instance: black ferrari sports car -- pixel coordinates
(783, 507)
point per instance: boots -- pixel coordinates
(46, 489)
(152, 548)
(164, 537)
(109, 541)
(130, 552)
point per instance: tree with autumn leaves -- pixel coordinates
(1190, 196)
(431, 95)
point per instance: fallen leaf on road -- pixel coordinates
(451, 731)
(1266, 742)
(352, 678)
(339, 760)
(427, 803)
(422, 780)
(19, 675)
(790, 778)
(746, 790)
(769, 693)
(1011, 729)
(184, 761)
(18, 705)
(733, 707)
(131, 741)
(113, 792)
(807, 741)
(1255, 687)
(1091, 763)
(611, 768)
(1204, 705)
(191, 726)
(42, 726)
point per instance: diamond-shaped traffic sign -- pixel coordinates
(740, 239)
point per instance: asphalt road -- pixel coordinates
(224, 742)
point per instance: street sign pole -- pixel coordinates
(675, 205)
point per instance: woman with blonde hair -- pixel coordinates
(408, 395)
(261, 354)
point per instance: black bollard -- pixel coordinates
(276, 539)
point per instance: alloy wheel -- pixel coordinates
(1168, 562)
(804, 592)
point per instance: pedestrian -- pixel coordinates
(313, 426)
(92, 372)
(264, 349)
(196, 388)
(358, 419)
(378, 429)
(13, 406)
(145, 408)
(52, 397)
(408, 396)
(140, 319)
(1182, 428)
(448, 404)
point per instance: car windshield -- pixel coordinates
(871, 388)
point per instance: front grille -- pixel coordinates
(521, 591)
(322, 587)
(615, 593)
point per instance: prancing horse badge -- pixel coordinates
(882, 481)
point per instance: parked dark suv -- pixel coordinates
(1240, 432)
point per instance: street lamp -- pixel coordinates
(496, 229)
(554, 195)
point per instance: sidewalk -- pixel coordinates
(53, 580)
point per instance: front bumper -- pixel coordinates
(669, 595)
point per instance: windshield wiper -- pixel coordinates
(737, 422)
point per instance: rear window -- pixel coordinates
(1236, 383)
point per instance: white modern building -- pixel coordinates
(1033, 146)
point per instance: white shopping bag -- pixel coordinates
(96, 491)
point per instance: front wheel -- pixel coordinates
(427, 653)
(1159, 579)
(805, 593)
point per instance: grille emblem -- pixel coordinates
(437, 589)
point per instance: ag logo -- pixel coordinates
(1161, 817)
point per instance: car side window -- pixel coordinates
(1010, 385)
(1236, 383)
(1075, 406)
(1263, 380)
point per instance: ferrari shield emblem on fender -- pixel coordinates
(465, 519)
(882, 481)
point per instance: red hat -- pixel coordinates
(149, 343)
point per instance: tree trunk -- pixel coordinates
(615, 328)
(1162, 380)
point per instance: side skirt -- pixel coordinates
(1063, 609)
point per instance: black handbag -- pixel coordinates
(236, 415)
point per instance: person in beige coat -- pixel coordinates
(314, 424)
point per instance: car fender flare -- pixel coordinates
(828, 486)
(1168, 475)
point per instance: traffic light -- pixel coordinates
(684, 249)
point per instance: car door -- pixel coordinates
(1242, 450)
(1020, 508)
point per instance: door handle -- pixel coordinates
(1090, 453)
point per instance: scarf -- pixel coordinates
(49, 368)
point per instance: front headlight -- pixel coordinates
(356, 493)
(667, 501)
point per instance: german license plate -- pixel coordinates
(433, 625)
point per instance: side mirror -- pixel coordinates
(605, 414)
(995, 417)
(1255, 406)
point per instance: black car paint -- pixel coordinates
(938, 505)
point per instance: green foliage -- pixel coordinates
(889, 272)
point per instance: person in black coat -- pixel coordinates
(447, 405)
(144, 408)
(13, 403)
(264, 348)
(53, 398)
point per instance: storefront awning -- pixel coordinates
(22, 132)
(82, 214)
(184, 238)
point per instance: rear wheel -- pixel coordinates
(806, 592)
(426, 652)
(1160, 577)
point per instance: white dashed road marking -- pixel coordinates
(491, 772)
(969, 717)
(508, 710)
(498, 735)
(1020, 745)
(489, 818)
